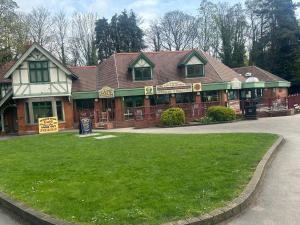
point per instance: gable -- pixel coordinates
(36, 53)
(141, 60)
(142, 63)
(194, 60)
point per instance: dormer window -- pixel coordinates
(142, 73)
(193, 65)
(141, 68)
(196, 70)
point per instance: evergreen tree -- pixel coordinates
(103, 39)
(122, 34)
(277, 40)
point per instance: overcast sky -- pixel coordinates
(146, 9)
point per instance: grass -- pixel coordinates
(130, 179)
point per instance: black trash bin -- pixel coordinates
(250, 111)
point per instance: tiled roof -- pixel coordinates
(261, 74)
(4, 69)
(114, 71)
(86, 78)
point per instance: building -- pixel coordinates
(127, 89)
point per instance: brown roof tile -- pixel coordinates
(4, 69)
(114, 71)
(86, 78)
(261, 74)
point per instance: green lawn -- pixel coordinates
(130, 179)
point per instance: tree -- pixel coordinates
(179, 30)
(276, 40)
(126, 34)
(103, 39)
(232, 26)
(208, 35)
(61, 25)
(12, 32)
(122, 34)
(82, 42)
(154, 36)
(39, 25)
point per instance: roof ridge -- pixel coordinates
(268, 73)
(73, 67)
(116, 69)
(153, 52)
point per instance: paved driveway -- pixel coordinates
(279, 200)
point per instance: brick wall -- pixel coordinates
(21, 116)
(69, 118)
(24, 128)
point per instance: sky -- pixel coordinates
(147, 10)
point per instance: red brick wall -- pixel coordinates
(21, 116)
(26, 128)
(119, 114)
(97, 110)
(173, 100)
(197, 98)
(68, 108)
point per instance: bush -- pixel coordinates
(172, 117)
(221, 113)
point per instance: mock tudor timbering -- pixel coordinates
(124, 90)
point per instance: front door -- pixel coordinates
(10, 120)
(108, 105)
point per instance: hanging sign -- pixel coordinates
(149, 90)
(107, 92)
(236, 84)
(197, 87)
(48, 125)
(173, 87)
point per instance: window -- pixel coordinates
(185, 98)
(59, 111)
(210, 96)
(4, 88)
(41, 109)
(85, 104)
(38, 72)
(233, 95)
(159, 99)
(196, 70)
(142, 73)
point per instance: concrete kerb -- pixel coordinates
(28, 214)
(240, 203)
(216, 216)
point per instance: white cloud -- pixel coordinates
(69, 6)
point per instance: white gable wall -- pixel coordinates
(60, 84)
(142, 63)
(194, 60)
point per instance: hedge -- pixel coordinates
(173, 117)
(221, 113)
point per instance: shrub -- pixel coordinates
(220, 113)
(172, 117)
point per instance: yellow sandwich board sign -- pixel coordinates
(48, 125)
